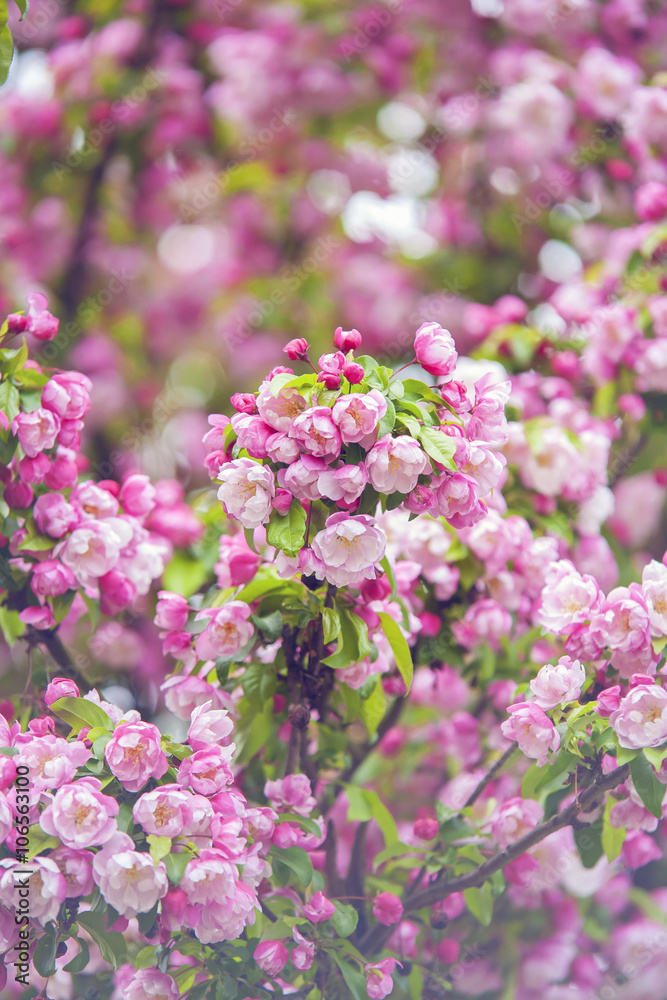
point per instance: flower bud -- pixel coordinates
(347, 340)
(297, 349)
(353, 372)
(244, 402)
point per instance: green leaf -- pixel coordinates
(23, 7)
(422, 391)
(80, 961)
(480, 903)
(353, 644)
(6, 52)
(269, 625)
(624, 756)
(439, 446)
(345, 919)
(307, 824)
(386, 425)
(355, 980)
(184, 575)
(278, 382)
(159, 847)
(364, 805)
(79, 713)
(264, 583)
(44, 952)
(399, 647)
(10, 401)
(111, 944)
(298, 862)
(330, 624)
(145, 920)
(176, 865)
(13, 360)
(373, 707)
(259, 684)
(146, 957)
(613, 837)
(589, 842)
(655, 755)
(650, 790)
(288, 531)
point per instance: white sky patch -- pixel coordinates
(396, 220)
(559, 262)
(400, 122)
(30, 76)
(186, 249)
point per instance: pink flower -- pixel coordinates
(514, 818)
(654, 591)
(426, 828)
(346, 483)
(77, 869)
(457, 500)
(227, 632)
(60, 687)
(47, 888)
(304, 953)
(347, 340)
(379, 983)
(50, 578)
(67, 395)
(208, 726)
(484, 621)
(247, 491)
(559, 684)
(651, 201)
(292, 793)
(137, 495)
(353, 372)
(207, 771)
(36, 431)
(52, 761)
(303, 476)
(395, 464)
(282, 448)
(358, 415)
(533, 731)
(54, 516)
(608, 701)
(41, 324)
(171, 611)
(319, 908)
(209, 878)
(317, 433)
(225, 918)
(40, 618)
(350, 548)
(297, 349)
(252, 433)
(622, 624)
(134, 754)
(271, 957)
(280, 410)
(93, 549)
(435, 350)
(641, 719)
(387, 909)
(80, 815)
(238, 563)
(243, 402)
(421, 500)
(151, 984)
(169, 811)
(568, 598)
(128, 879)
(183, 693)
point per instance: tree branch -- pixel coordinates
(490, 775)
(52, 642)
(441, 888)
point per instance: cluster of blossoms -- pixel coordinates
(65, 534)
(313, 455)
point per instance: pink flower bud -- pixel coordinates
(375, 590)
(137, 495)
(41, 618)
(430, 624)
(331, 380)
(651, 201)
(353, 372)
(60, 687)
(426, 828)
(18, 495)
(633, 405)
(347, 340)
(271, 957)
(244, 402)
(297, 350)
(448, 951)
(435, 350)
(282, 501)
(16, 323)
(41, 324)
(608, 701)
(332, 363)
(420, 500)
(319, 908)
(387, 909)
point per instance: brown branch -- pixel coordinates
(52, 642)
(490, 775)
(441, 887)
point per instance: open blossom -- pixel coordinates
(317, 433)
(514, 818)
(349, 548)
(533, 731)
(151, 984)
(225, 918)
(50, 578)
(54, 515)
(80, 815)
(568, 598)
(358, 415)
(346, 483)
(654, 590)
(395, 464)
(292, 794)
(302, 477)
(128, 879)
(68, 395)
(207, 771)
(622, 624)
(46, 886)
(247, 491)
(208, 878)
(228, 630)
(641, 719)
(238, 563)
(36, 431)
(319, 908)
(134, 754)
(60, 687)
(92, 550)
(280, 411)
(208, 726)
(379, 983)
(52, 761)
(77, 868)
(171, 611)
(169, 811)
(559, 684)
(435, 350)
(183, 693)
(302, 956)
(271, 957)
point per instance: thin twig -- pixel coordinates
(490, 775)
